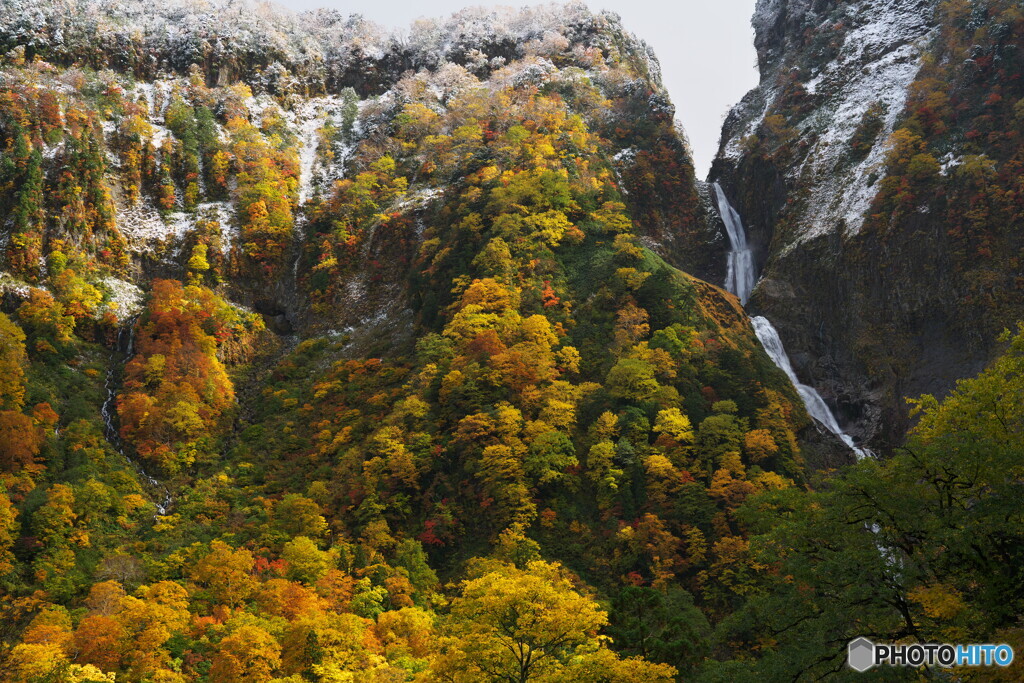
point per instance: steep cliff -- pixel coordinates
(875, 168)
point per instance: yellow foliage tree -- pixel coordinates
(227, 573)
(524, 625)
(248, 655)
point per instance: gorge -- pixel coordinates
(334, 352)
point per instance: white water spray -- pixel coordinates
(740, 275)
(740, 281)
(815, 404)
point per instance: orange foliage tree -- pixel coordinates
(177, 393)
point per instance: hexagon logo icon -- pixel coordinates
(860, 654)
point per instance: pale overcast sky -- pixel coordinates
(705, 48)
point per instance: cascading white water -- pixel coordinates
(740, 281)
(739, 277)
(815, 404)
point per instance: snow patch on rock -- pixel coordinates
(879, 60)
(145, 229)
(733, 149)
(321, 165)
(230, 234)
(419, 199)
(12, 285)
(125, 298)
(142, 226)
(308, 121)
(158, 97)
(949, 162)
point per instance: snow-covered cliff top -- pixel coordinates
(243, 39)
(847, 58)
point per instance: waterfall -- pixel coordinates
(739, 277)
(815, 404)
(740, 281)
(109, 410)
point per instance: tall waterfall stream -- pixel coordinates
(740, 280)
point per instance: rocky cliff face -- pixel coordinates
(865, 267)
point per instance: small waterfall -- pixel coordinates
(740, 281)
(815, 404)
(126, 345)
(739, 277)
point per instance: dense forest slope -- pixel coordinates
(881, 155)
(304, 320)
(332, 354)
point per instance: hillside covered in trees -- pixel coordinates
(331, 354)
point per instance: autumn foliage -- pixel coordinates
(548, 454)
(177, 393)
